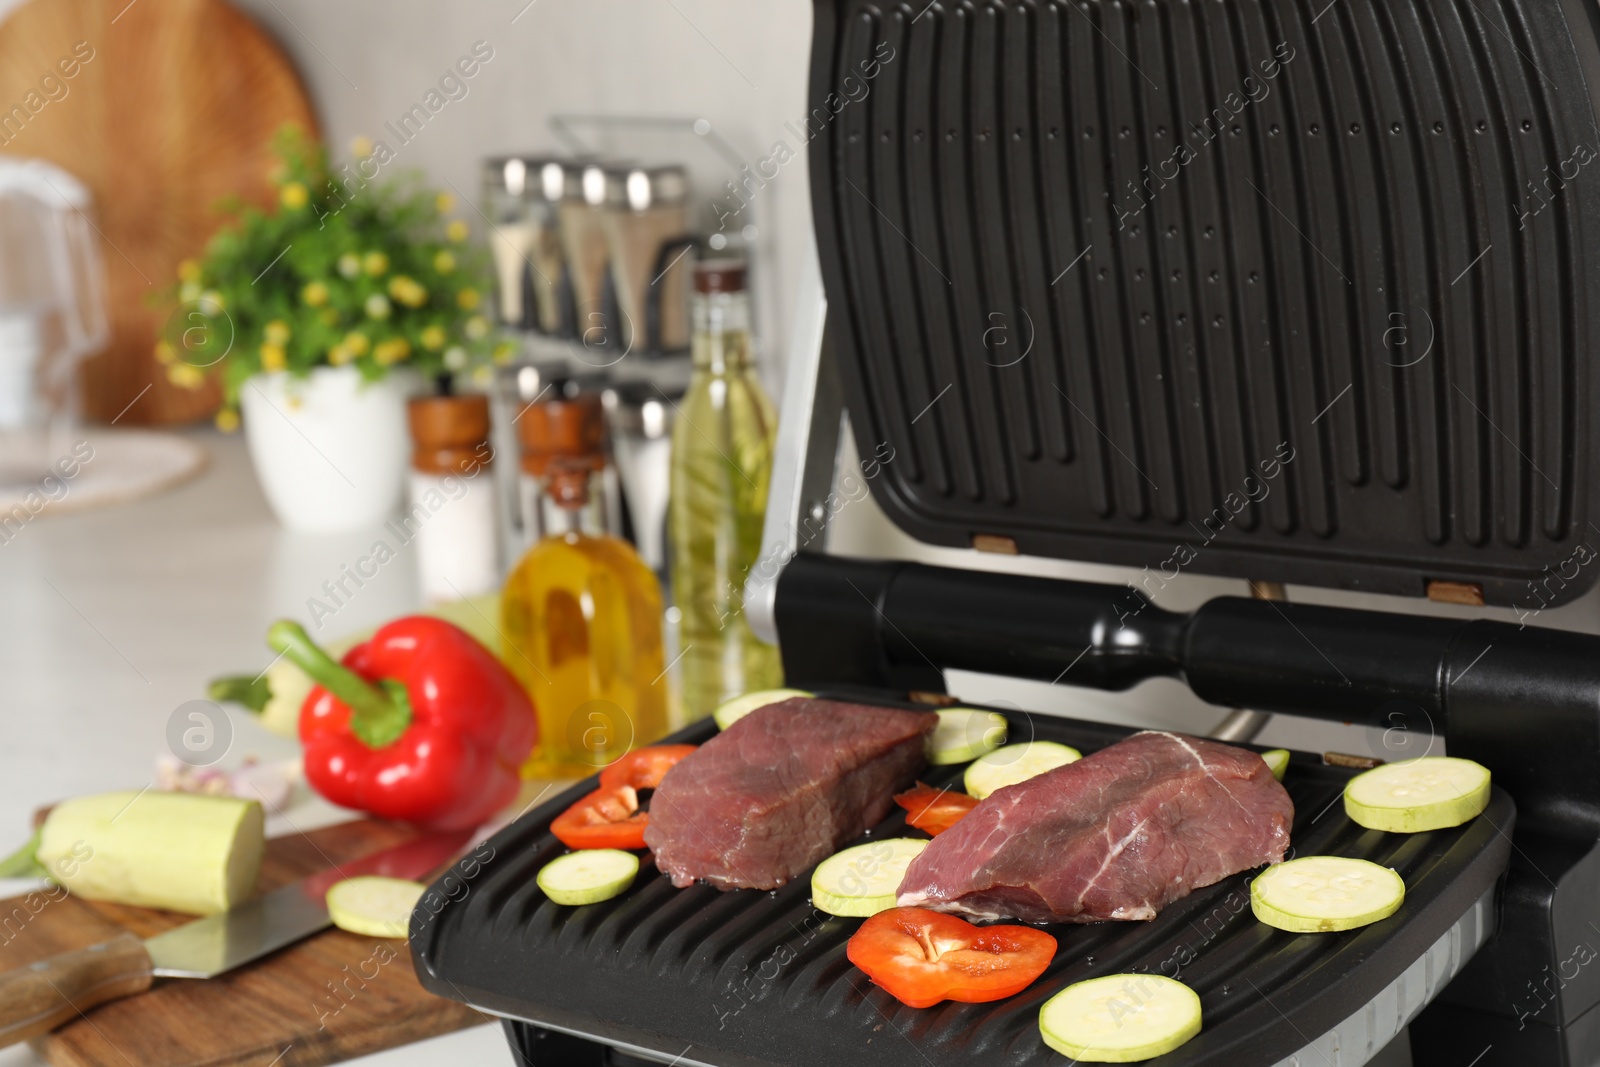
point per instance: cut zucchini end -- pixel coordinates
(1325, 894)
(374, 906)
(588, 876)
(1431, 793)
(1277, 761)
(1120, 1018)
(964, 734)
(864, 880)
(733, 710)
(1011, 764)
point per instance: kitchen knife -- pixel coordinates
(41, 996)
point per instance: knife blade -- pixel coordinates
(38, 998)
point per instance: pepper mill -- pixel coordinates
(453, 519)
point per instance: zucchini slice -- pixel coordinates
(964, 734)
(733, 710)
(1120, 1018)
(1277, 760)
(1430, 793)
(1316, 894)
(1011, 764)
(864, 880)
(374, 906)
(589, 876)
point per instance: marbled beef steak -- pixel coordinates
(781, 789)
(1117, 835)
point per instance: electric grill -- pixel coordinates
(1289, 290)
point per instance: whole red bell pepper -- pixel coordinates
(421, 724)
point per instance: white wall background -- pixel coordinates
(741, 65)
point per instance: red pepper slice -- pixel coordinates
(922, 957)
(644, 768)
(933, 811)
(607, 818)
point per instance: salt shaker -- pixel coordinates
(453, 521)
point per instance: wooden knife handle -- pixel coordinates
(41, 996)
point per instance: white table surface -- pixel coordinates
(113, 618)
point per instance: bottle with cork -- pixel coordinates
(722, 447)
(581, 614)
(453, 518)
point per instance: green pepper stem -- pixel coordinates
(379, 714)
(24, 862)
(251, 693)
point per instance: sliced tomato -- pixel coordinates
(922, 957)
(645, 767)
(933, 811)
(606, 818)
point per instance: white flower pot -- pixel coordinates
(331, 451)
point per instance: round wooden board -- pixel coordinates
(173, 109)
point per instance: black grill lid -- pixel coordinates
(1096, 271)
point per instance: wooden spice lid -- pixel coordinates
(566, 427)
(719, 276)
(450, 434)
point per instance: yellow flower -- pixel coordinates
(329, 316)
(433, 338)
(375, 263)
(340, 354)
(357, 343)
(185, 376)
(477, 328)
(468, 300)
(188, 271)
(276, 332)
(294, 196)
(391, 351)
(455, 357)
(482, 376)
(444, 262)
(227, 420)
(273, 358)
(349, 264)
(504, 351)
(165, 353)
(456, 231)
(211, 302)
(189, 292)
(315, 294)
(445, 203)
(361, 147)
(377, 306)
(407, 291)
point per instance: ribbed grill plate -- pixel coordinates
(1094, 267)
(752, 979)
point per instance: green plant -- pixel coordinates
(342, 272)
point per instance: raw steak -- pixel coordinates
(781, 789)
(1118, 835)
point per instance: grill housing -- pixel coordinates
(1094, 264)
(755, 979)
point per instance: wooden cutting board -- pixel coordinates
(331, 997)
(171, 106)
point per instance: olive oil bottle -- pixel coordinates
(581, 616)
(722, 446)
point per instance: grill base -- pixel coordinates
(752, 979)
